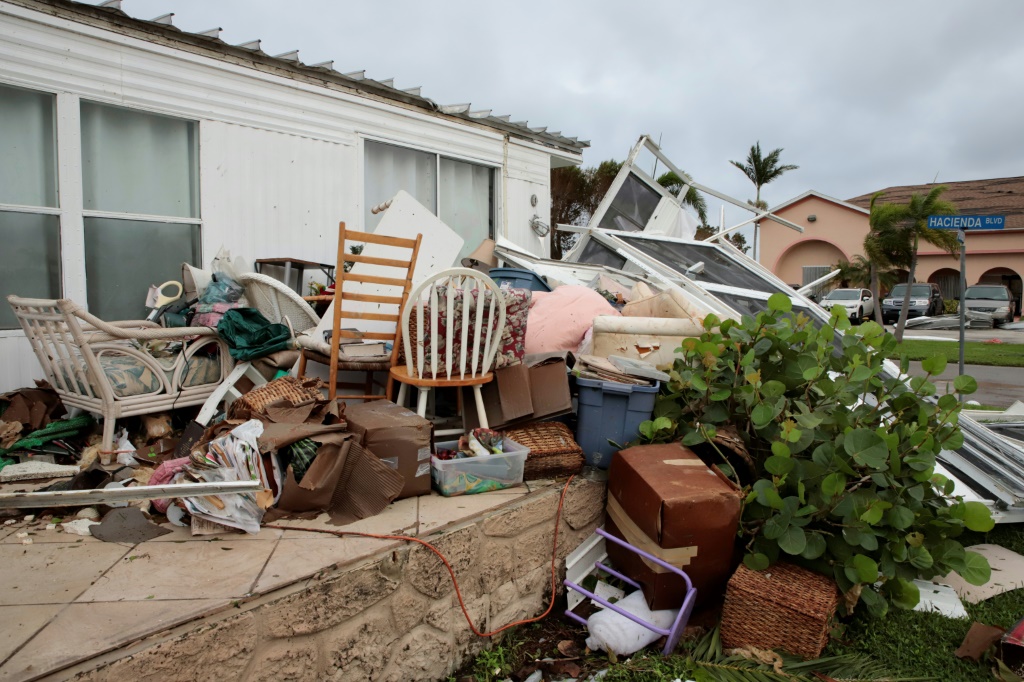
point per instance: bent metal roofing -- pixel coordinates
(998, 196)
(161, 29)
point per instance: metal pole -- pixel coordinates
(963, 290)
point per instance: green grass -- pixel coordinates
(913, 643)
(975, 352)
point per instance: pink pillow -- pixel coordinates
(558, 320)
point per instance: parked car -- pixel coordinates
(925, 300)
(991, 298)
(859, 303)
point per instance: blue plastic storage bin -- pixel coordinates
(607, 411)
(519, 279)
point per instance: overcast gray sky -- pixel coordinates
(861, 95)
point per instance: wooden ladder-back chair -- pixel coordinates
(388, 291)
(460, 354)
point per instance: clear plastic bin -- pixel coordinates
(478, 474)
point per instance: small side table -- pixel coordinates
(299, 266)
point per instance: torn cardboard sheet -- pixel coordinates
(34, 408)
(127, 525)
(1007, 574)
(939, 599)
(398, 437)
(344, 480)
(537, 389)
(980, 638)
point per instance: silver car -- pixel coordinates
(994, 299)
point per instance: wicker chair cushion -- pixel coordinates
(371, 364)
(129, 376)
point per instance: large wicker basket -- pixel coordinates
(784, 607)
(553, 451)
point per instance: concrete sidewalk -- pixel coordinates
(997, 386)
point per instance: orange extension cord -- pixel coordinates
(455, 582)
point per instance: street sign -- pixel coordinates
(966, 222)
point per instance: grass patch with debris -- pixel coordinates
(975, 352)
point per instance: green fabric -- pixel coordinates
(303, 453)
(249, 335)
(52, 431)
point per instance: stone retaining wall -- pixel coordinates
(393, 617)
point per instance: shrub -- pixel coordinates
(844, 452)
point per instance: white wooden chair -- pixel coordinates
(104, 367)
(472, 310)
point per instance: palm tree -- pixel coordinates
(761, 170)
(855, 273)
(913, 226)
(673, 183)
(885, 248)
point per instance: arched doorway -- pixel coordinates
(807, 260)
(948, 280)
(1007, 277)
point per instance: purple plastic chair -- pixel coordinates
(676, 631)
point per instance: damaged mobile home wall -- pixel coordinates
(282, 148)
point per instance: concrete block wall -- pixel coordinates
(394, 617)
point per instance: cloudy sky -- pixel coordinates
(861, 95)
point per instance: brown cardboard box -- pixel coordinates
(536, 389)
(666, 501)
(398, 437)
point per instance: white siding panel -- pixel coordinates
(267, 194)
(18, 364)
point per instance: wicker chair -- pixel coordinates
(276, 301)
(455, 346)
(109, 368)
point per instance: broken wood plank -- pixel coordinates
(83, 498)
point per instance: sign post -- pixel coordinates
(962, 238)
(962, 223)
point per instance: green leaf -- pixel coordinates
(780, 303)
(780, 449)
(867, 448)
(756, 562)
(779, 466)
(866, 568)
(977, 517)
(915, 539)
(833, 484)
(900, 517)
(861, 374)
(921, 558)
(721, 394)
(698, 384)
(904, 593)
(693, 438)
(815, 546)
(877, 606)
(793, 540)
(662, 424)
(773, 389)
(762, 415)
(811, 373)
(647, 429)
(936, 364)
(872, 515)
(976, 571)
(965, 384)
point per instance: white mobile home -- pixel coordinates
(128, 147)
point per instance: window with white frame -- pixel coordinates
(461, 194)
(140, 195)
(29, 215)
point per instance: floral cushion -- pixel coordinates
(511, 347)
(130, 376)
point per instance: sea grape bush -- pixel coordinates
(844, 452)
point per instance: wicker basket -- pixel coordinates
(296, 391)
(784, 607)
(553, 451)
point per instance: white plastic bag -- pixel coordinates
(613, 632)
(125, 450)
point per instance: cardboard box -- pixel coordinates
(536, 389)
(398, 437)
(664, 500)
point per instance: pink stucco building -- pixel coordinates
(834, 230)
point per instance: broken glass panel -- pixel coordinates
(596, 253)
(632, 207)
(718, 267)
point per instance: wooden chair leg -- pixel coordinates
(302, 363)
(421, 403)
